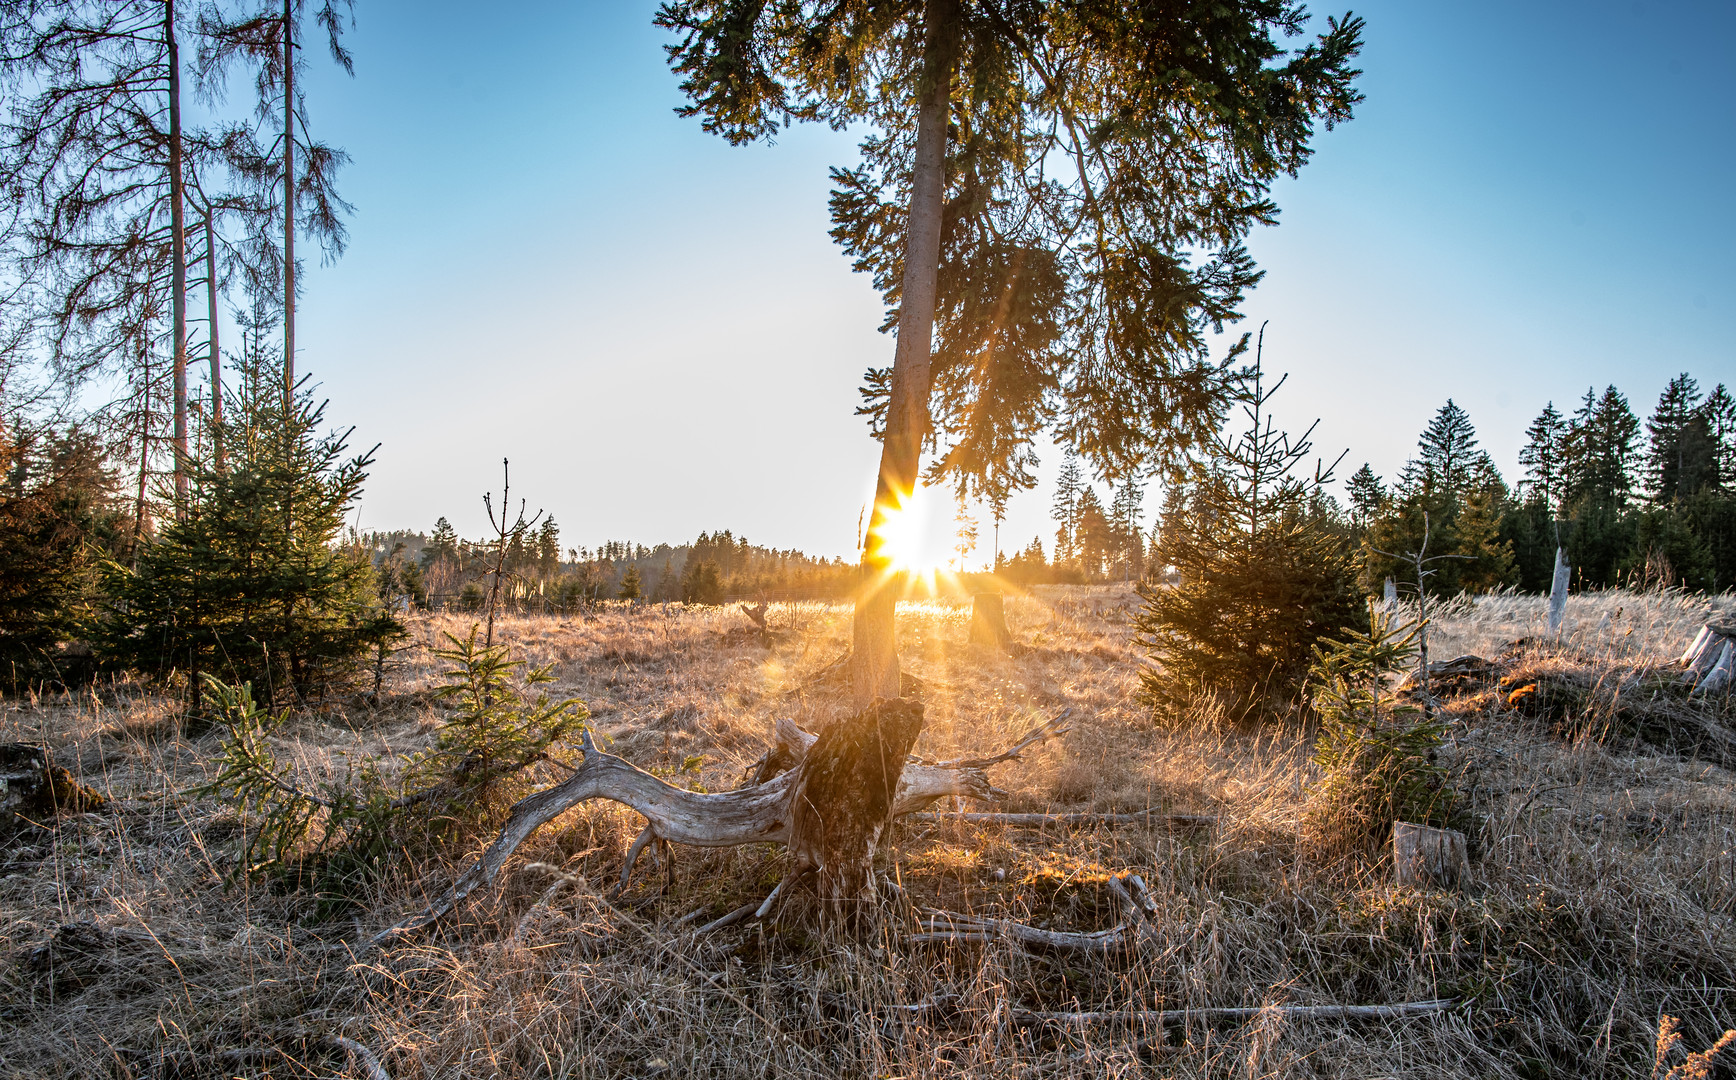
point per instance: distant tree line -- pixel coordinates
(443, 569)
(1628, 503)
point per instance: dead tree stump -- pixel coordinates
(29, 783)
(849, 781)
(1424, 856)
(988, 620)
(1710, 657)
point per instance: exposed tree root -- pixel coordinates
(827, 796)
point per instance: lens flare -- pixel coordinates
(913, 534)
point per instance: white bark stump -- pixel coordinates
(1558, 592)
(1389, 596)
(1710, 658)
(1424, 856)
(988, 620)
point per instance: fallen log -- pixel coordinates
(952, 928)
(1154, 817)
(1210, 1015)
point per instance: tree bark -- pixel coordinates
(177, 256)
(849, 782)
(1424, 856)
(288, 207)
(874, 670)
(216, 356)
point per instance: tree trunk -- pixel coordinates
(288, 206)
(1558, 583)
(216, 356)
(874, 668)
(849, 782)
(177, 256)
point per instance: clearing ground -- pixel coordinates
(1602, 896)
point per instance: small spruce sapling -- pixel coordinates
(1376, 754)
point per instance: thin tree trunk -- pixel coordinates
(177, 256)
(288, 205)
(216, 356)
(144, 451)
(875, 663)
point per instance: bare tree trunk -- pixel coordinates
(849, 783)
(288, 205)
(177, 256)
(216, 356)
(875, 664)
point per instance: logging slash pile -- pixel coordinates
(1058, 885)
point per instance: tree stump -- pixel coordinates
(1425, 856)
(988, 620)
(1710, 658)
(29, 783)
(849, 781)
(1558, 591)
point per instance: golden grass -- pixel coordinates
(1604, 891)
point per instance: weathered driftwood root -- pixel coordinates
(1136, 904)
(1396, 1011)
(830, 810)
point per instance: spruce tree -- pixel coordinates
(1541, 456)
(60, 512)
(238, 589)
(1681, 457)
(1367, 497)
(1719, 409)
(1053, 201)
(1447, 453)
(1065, 509)
(1262, 577)
(629, 584)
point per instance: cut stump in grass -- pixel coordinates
(30, 784)
(988, 621)
(1423, 856)
(1710, 658)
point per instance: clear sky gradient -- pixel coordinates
(547, 264)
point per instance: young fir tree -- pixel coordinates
(237, 587)
(1262, 577)
(630, 589)
(59, 513)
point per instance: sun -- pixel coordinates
(914, 534)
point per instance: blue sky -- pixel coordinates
(547, 264)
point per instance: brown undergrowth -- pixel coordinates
(1603, 892)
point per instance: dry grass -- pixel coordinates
(1604, 892)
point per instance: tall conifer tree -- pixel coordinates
(1062, 191)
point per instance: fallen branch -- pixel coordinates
(1039, 734)
(1218, 1015)
(1155, 817)
(955, 929)
(375, 1070)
